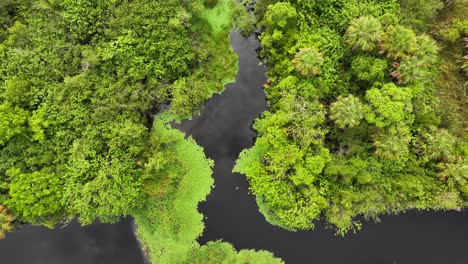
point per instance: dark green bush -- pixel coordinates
(210, 3)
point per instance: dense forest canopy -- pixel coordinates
(86, 91)
(80, 84)
(355, 128)
(365, 113)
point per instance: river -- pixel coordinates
(231, 214)
(223, 130)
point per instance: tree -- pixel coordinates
(416, 68)
(455, 174)
(75, 74)
(8, 12)
(347, 111)
(399, 42)
(12, 121)
(439, 144)
(280, 16)
(18, 35)
(5, 221)
(222, 252)
(369, 69)
(427, 49)
(364, 33)
(307, 61)
(419, 13)
(412, 70)
(393, 143)
(389, 105)
(104, 172)
(36, 196)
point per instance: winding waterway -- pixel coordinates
(223, 129)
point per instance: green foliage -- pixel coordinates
(450, 29)
(385, 149)
(35, 197)
(221, 252)
(427, 49)
(8, 11)
(210, 3)
(393, 144)
(12, 122)
(347, 111)
(177, 175)
(244, 20)
(455, 174)
(419, 13)
(280, 17)
(364, 33)
(389, 105)
(307, 61)
(438, 144)
(187, 97)
(455, 30)
(419, 67)
(398, 42)
(369, 69)
(338, 14)
(169, 223)
(80, 84)
(220, 17)
(6, 220)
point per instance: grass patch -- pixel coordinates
(216, 60)
(169, 224)
(220, 17)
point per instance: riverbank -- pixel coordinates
(169, 223)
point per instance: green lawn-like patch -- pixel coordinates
(169, 223)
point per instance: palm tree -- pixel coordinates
(427, 49)
(307, 61)
(411, 70)
(416, 68)
(5, 221)
(440, 144)
(399, 42)
(393, 144)
(364, 33)
(347, 111)
(455, 175)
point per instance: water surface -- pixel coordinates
(223, 129)
(93, 244)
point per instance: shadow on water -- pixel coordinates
(231, 213)
(93, 244)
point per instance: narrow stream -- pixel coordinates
(223, 129)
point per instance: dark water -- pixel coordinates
(232, 214)
(94, 244)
